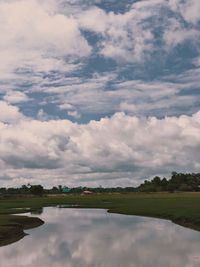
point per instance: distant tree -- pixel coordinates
(156, 181)
(55, 190)
(60, 188)
(185, 187)
(164, 182)
(171, 187)
(24, 189)
(37, 190)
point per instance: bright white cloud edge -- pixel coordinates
(120, 150)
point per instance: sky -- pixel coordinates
(98, 92)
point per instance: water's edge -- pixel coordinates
(13, 232)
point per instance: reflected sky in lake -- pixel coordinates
(95, 238)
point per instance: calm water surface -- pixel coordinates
(94, 238)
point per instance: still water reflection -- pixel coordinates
(94, 238)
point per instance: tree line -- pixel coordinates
(178, 182)
(189, 182)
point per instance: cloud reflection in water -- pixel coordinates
(94, 238)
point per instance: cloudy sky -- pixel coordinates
(98, 92)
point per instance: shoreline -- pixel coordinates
(14, 230)
(181, 209)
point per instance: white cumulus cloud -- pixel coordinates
(121, 149)
(35, 35)
(14, 97)
(9, 113)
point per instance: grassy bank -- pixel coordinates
(12, 227)
(181, 208)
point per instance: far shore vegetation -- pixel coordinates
(179, 182)
(176, 199)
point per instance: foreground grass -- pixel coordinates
(181, 208)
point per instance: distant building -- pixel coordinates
(87, 192)
(66, 190)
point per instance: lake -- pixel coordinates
(95, 238)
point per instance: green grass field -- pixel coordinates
(181, 208)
